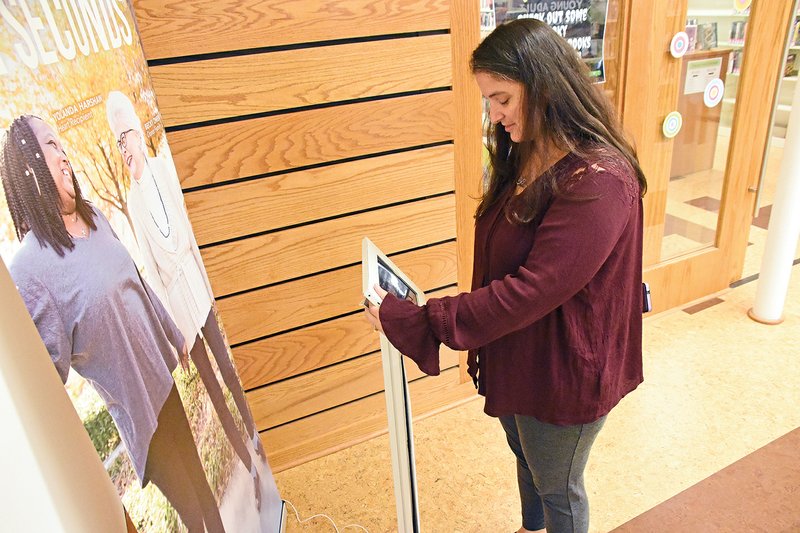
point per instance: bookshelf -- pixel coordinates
(487, 17)
(715, 13)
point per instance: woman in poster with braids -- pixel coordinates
(96, 315)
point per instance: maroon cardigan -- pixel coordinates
(554, 320)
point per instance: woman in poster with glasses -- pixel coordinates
(97, 316)
(174, 268)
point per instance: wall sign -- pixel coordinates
(701, 72)
(581, 22)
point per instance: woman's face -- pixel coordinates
(57, 162)
(130, 145)
(506, 105)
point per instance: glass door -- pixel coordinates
(700, 121)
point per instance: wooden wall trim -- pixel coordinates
(468, 141)
(623, 22)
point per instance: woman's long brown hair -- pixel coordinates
(571, 112)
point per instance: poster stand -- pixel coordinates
(282, 520)
(401, 438)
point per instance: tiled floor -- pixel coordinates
(717, 387)
(756, 493)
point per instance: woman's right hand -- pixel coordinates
(372, 311)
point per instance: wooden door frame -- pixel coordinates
(650, 92)
(467, 141)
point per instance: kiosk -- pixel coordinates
(379, 269)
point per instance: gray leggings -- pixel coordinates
(550, 464)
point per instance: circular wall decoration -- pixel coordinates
(713, 93)
(672, 124)
(741, 5)
(679, 44)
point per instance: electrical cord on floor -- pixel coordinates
(297, 515)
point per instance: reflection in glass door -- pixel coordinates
(707, 93)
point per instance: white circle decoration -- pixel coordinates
(713, 93)
(679, 44)
(672, 124)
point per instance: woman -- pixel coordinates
(175, 270)
(553, 323)
(96, 315)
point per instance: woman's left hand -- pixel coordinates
(372, 311)
(183, 357)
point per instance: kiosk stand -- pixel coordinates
(401, 438)
(377, 269)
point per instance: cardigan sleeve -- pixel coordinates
(408, 327)
(576, 236)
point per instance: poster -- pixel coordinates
(581, 22)
(94, 231)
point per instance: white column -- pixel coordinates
(784, 228)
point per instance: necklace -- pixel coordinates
(163, 208)
(525, 179)
(82, 230)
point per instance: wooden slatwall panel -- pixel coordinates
(297, 128)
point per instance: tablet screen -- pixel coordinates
(391, 283)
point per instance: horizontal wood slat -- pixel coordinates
(296, 252)
(239, 209)
(306, 349)
(295, 398)
(289, 305)
(172, 28)
(223, 152)
(332, 430)
(234, 86)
